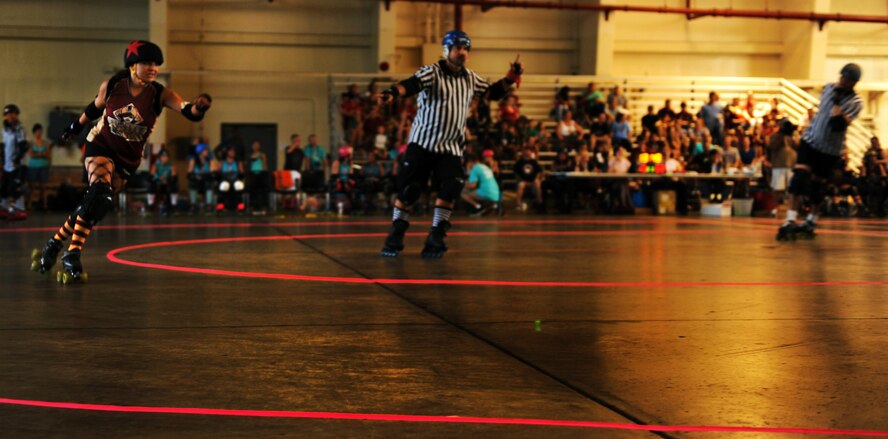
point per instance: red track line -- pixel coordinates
(112, 256)
(434, 419)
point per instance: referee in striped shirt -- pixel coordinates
(820, 151)
(437, 138)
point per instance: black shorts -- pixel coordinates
(822, 165)
(93, 150)
(420, 164)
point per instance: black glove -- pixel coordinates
(204, 107)
(389, 94)
(71, 132)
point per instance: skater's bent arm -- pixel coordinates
(193, 111)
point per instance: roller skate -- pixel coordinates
(42, 261)
(806, 230)
(434, 245)
(787, 232)
(72, 270)
(394, 243)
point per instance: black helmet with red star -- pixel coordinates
(142, 51)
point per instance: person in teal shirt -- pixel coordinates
(481, 189)
(38, 165)
(315, 164)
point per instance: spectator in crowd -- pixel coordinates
(591, 102)
(231, 183)
(343, 172)
(649, 120)
(164, 184)
(782, 148)
(568, 131)
(563, 188)
(616, 101)
(481, 191)
(732, 154)
(620, 131)
(381, 140)
(201, 178)
(315, 164)
(684, 118)
(294, 156)
(735, 116)
(39, 158)
(258, 179)
(15, 146)
(529, 173)
(747, 152)
(373, 182)
(560, 104)
(713, 117)
(874, 180)
(666, 111)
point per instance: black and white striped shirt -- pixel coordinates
(443, 107)
(818, 134)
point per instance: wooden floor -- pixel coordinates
(286, 327)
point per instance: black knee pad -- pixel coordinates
(800, 183)
(450, 189)
(96, 203)
(410, 193)
(817, 190)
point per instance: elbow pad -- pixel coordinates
(92, 112)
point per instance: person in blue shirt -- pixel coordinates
(315, 164)
(481, 190)
(165, 183)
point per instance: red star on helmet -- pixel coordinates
(133, 48)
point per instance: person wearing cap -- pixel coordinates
(201, 177)
(437, 141)
(820, 151)
(127, 106)
(14, 147)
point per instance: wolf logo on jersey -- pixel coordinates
(126, 122)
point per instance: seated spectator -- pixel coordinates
(782, 149)
(649, 120)
(569, 132)
(201, 178)
(39, 157)
(735, 117)
(342, 173)
(616, 101)
(561, 104)
(381, 140)
(620, 189)
(592, 102)
(231, 183)
(373, 182)
(732, 155)
(684, 118)
(874, 180)
(620, 132)
(529, 173)
(164, 183)
(747, 152)
(481, 191)
(601, 158)
(563, 188)
(258, 179)
(666, 111)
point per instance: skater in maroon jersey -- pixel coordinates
(127, 106)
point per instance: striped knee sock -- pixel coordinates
(400, 214)
(81, 232)
(441, 214)
(65, 231)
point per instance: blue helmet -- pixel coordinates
(456, 38)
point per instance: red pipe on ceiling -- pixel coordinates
(692, 12)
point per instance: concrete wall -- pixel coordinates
(266, 61)
(60, 58)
